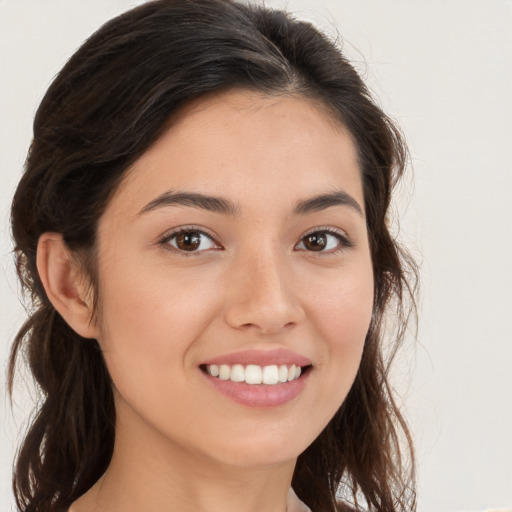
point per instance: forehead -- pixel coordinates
(244, 145)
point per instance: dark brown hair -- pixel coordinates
(110, 102)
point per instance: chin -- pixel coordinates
(254, 451)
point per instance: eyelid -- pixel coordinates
(326, 229)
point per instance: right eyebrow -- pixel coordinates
(195, 200)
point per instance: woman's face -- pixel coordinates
(237, 240)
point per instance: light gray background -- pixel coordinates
(443, 70)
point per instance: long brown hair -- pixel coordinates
(110, 102)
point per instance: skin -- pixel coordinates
(180, 444)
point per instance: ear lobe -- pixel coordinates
(63, 284)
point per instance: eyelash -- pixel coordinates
(344, 241)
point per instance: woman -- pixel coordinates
(202, 228)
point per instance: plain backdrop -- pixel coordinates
(443, 70)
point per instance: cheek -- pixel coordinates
(342, 315)
(349, 317)
(343, 306)
(151, 321)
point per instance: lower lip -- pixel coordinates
(259, 395)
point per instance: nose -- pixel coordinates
(262, 295)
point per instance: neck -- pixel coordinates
(150, 473)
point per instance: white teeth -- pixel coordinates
(224, 372)
(254, 374)
(237, 373)
(270, 374)
(283, 373)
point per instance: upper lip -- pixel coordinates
(261, 357)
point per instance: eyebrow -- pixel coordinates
(195, 200)
(227, 207)
(323, 201)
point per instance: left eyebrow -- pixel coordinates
(323, 201)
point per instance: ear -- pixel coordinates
(64, 285)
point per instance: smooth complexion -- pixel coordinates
(265, 267)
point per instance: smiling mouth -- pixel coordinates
(254, 374)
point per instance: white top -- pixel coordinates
(294, 504)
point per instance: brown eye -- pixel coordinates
(327, 241)
(190, 241)
(315, 242)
